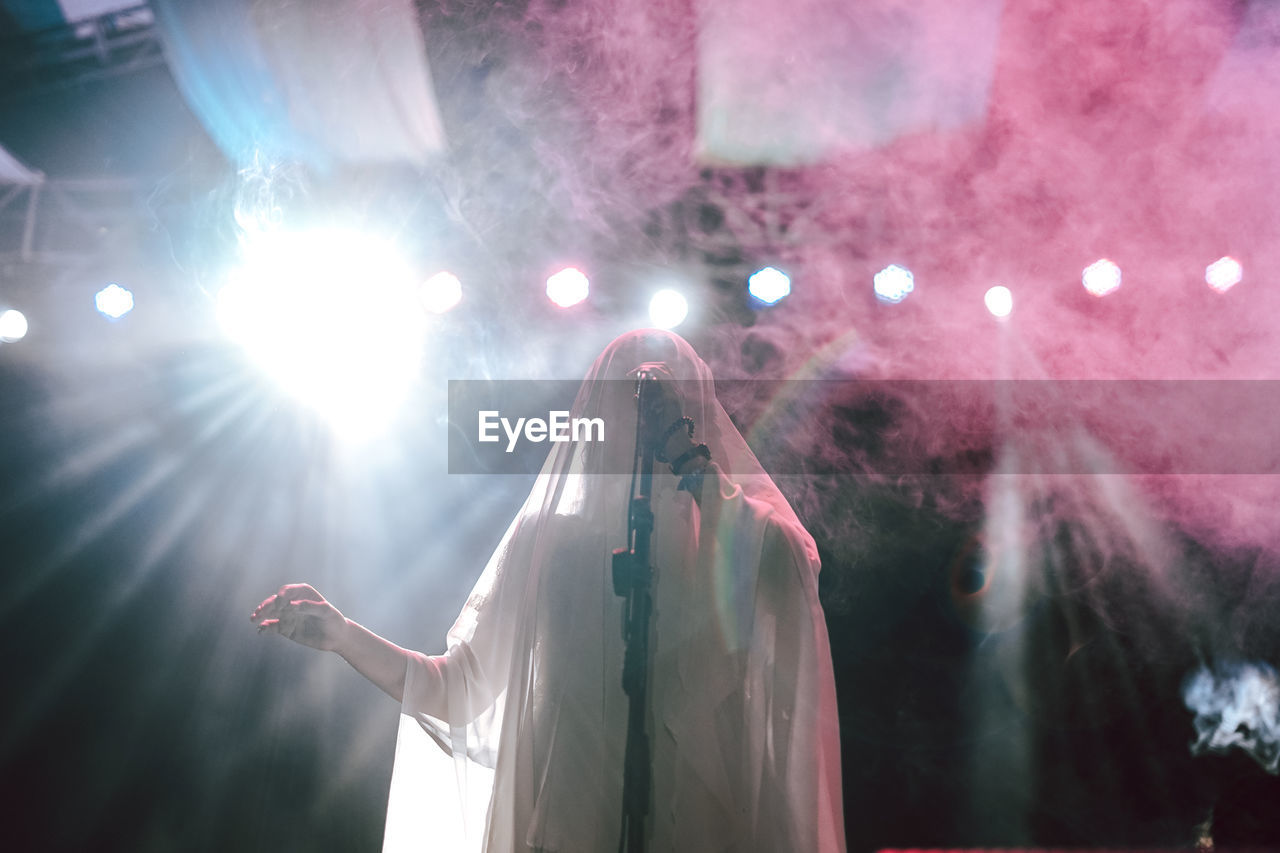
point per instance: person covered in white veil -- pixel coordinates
(524, 716)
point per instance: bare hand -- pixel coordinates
(298, 611)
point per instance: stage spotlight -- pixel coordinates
(13, 325)
(1223, 274)
(333, 317)
(113, 301)
(769, 285)
(667, 309)
(893, 283)
(1101, 277)
(568, 287)
(999, 300)
(440, 292)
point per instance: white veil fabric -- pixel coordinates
(513, 739)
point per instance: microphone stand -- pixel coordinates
(633, 580)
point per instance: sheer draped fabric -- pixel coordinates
(512, 740)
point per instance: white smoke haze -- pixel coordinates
(1132, 130)
(1237, 706)
(827, 77)
(1011, 144)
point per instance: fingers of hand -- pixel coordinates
(302, 621)
(297, 591)
(281, 619)
(273, 605)
(262, 611)
(268, 609)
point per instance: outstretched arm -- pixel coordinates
(300, 613)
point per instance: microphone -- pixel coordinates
(648, 397)
(643, 374)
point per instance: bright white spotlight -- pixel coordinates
(13, 326)
(1101, 277)
(440, 292)
(113, 301)
(333, 317)
(667, 309)
(568, 287)
(999, 301)
(769, 285)
(1223, 274)
(893, 283)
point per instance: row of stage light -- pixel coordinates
(668, 308)
(443, 291)
(341, 321)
